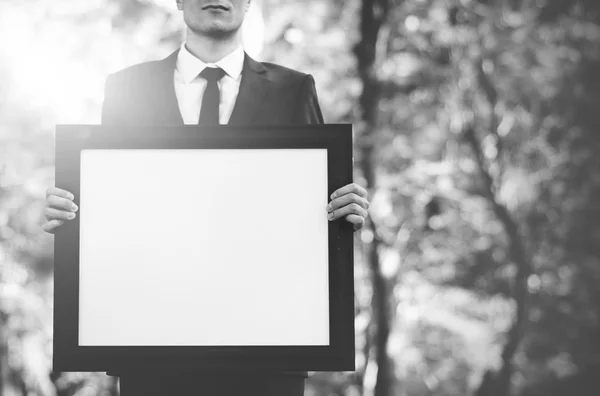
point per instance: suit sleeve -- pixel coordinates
(109, 106)
(308, 109)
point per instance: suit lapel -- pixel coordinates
(167, 109)
(253, 88)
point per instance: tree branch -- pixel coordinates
(491, 94)
(517, 254)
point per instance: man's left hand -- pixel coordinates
(351, 203)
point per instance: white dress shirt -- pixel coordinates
(189, 87)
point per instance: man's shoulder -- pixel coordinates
(281, 74)
(282, 70)
(138, 72)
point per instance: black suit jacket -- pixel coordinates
(269, 94)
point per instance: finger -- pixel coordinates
(55, 214)
(56, 202)
(350, 188)
(60, 193)
(51, 226)
(347, 210)
(347, 200)
(357, 221)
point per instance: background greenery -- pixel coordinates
(477, 133)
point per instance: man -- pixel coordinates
(210, 80)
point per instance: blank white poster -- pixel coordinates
(203, 247)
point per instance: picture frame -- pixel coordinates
(203, 247)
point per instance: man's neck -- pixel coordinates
(209, 49)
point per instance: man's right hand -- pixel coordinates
(59, 208)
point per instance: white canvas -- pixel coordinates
(203, 247)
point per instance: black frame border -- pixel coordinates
(69, 356)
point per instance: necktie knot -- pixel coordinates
(211, 74)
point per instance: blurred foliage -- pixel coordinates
(485, 142)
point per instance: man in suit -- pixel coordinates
(211, 80)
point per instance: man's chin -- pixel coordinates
(217, 31)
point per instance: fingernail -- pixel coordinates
(329, 208)
(74, 207)
(330, 216)
(71, 197)
(71, 216)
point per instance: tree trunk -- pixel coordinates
(498, 384)
(373, 14)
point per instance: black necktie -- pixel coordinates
(209, 112)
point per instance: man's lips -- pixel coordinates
(215, 7)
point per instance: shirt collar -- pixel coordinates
(190, 67)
